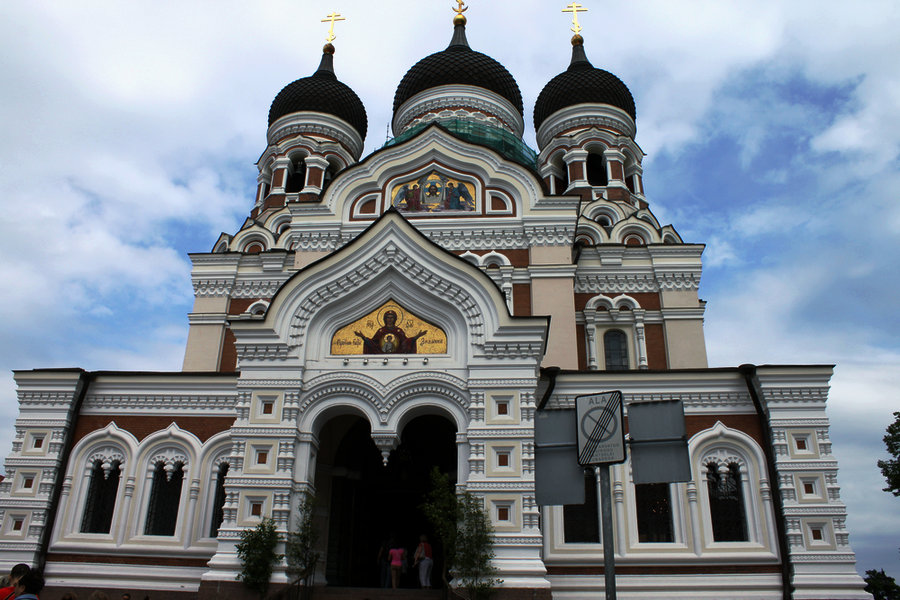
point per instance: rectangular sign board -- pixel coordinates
(558, 477)
(658, 440)
(599, 428)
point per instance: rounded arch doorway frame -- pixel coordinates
(372, 481)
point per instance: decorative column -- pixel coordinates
(576, 163)
(619, 509)
(696, 533)
(550, 173)
(279, 174)
(462, 457)
(615, 167)
(386, 442)
(641, 341)
(188, 527)
(315, 174)
(125, 511)
(590, 329)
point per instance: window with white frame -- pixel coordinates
(218, 512)
(615, 350)
(165, 498)
(103, 487)
(726, 502)
(580, 523)
(653, 503)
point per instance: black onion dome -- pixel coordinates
(582, 83)
(458, 64)
(321, 92)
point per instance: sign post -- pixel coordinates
(601, 443)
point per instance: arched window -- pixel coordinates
(297, 177)
(654, 512)
(596, 170)
(101, 497)
(580, 523)
(615, 348)
(165, 496)
(218, 514)
(726, 502)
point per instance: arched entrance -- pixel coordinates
(369, 502)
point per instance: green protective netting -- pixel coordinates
(504, 142)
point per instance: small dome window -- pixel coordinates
(254, 248)
(596, 170)
(297, 175)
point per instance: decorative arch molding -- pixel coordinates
(255, 233)
(378, 402)
(107, 444)
(390, 260)
(608, 303)
(604, 208)
(634, 226)
(169, 446)
(417, 407)
(258, 308)
(592, 233)
(433, 144)
(723, 446)
(603, 314)
(670, 236)
(710, 442)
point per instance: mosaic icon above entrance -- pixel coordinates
(433, 193)
(389, 329)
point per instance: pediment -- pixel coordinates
(390, 262)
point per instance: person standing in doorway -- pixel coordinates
(398, 557)
(424, 562)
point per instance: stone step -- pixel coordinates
(352, 593)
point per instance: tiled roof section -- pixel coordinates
(582, 83)
(321, 92)
(458, 64)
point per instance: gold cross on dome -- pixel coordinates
(575, 8)
(332, 18)
(460, 7)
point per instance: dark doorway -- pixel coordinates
(371, 503)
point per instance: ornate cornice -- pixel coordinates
(392, 257)
(615, 282)
(475, 102)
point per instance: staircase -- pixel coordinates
(355, 593)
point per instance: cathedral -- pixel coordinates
(377, 317)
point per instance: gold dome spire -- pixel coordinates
(461, 7)
(575, 8)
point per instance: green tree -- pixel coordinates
(881, 586)
(891, 468)
(466, 534)
(257, 553)
(299, 549)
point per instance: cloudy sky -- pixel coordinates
(129, 132)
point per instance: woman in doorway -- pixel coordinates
(398, 558)
(424, 561)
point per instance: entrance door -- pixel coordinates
(372, 503)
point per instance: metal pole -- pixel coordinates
(606, 530)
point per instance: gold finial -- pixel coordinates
(461, 7)
(332, 18)
(575, 8)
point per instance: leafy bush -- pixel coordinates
(257, 553)
(299, 550)
(465, 530)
